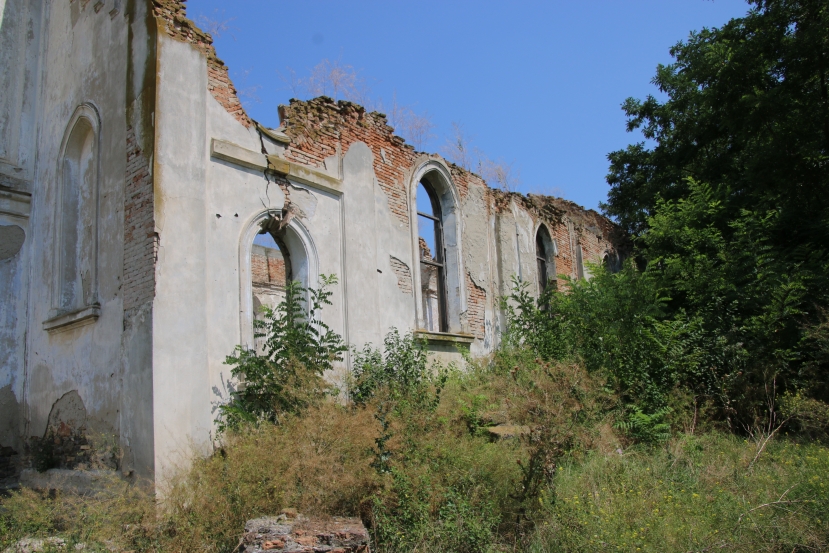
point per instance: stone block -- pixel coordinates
(507, 431)
(295, 533)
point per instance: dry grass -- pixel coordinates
(449, 488)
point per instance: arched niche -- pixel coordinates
(436, 177)
(76, 215)
(300, 259)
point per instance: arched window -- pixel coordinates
(541, 258)
(432, 255)
(77, 215)
(268, 261)
(270, 271)
(545, 252)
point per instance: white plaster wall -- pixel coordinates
(234, 195)
(84, 61)
(20, 46)
(13, 298)
(181, 394)
(396, 308)
(477, 261)
(362, 301)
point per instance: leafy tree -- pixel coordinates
(748, 112)
(729, 201)
(285, 375)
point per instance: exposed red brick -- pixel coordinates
(475, 308)
(140, 239)
(404, 275)
(173, 14)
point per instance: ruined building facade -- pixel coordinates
(133, 189)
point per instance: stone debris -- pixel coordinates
(38, 545)
(506, 431)
(295, 533)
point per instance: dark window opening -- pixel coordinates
(541, 259)
(432, 254)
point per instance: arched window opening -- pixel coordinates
(272, 254)
(545, 253)
(270, 272)
(77, 218)
(432, 254)
(541, 258)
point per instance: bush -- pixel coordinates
(286, 376)
(567, 485)
(616, 324)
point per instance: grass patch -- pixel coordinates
(694, 494)
(445, 485)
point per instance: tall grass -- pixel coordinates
(694, 494)
(575, 483)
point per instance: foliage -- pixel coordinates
(730, 204)
(646, 428)
(401, 369)
(569, 485)
(285, 377)
(617, 324)
(400, 381)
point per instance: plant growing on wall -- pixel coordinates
(284, 376)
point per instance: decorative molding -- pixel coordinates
(444, 337)
(73, 319)
(227, 151)
(14, 203)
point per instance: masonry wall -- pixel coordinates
(20, 37)
(82, 52)
(176, 221)
(497, 229)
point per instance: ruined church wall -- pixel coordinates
(20, 38)
(83, 76)
(354, 221)
(84, 56)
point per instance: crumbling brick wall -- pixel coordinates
(319, 127)
(267, 266)
(173, 15)
(475, 308)
(403, 274)
(140, 239)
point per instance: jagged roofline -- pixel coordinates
(173, 15)
(310, 121)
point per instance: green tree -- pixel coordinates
(729, 199)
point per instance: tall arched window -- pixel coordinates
(541, 258)
(267, 262)
(545, 252)
(77, 215)
(432, 254)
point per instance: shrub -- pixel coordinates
(285, 377)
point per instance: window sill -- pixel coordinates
(72, 319)
(444, 337)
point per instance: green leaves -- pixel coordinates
(284, 376)
(729, 202)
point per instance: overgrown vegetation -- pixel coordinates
(679, 404)
(285, 374)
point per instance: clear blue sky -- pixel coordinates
(538, 84)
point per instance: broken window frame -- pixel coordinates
(439, 256)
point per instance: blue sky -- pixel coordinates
(535, 84)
